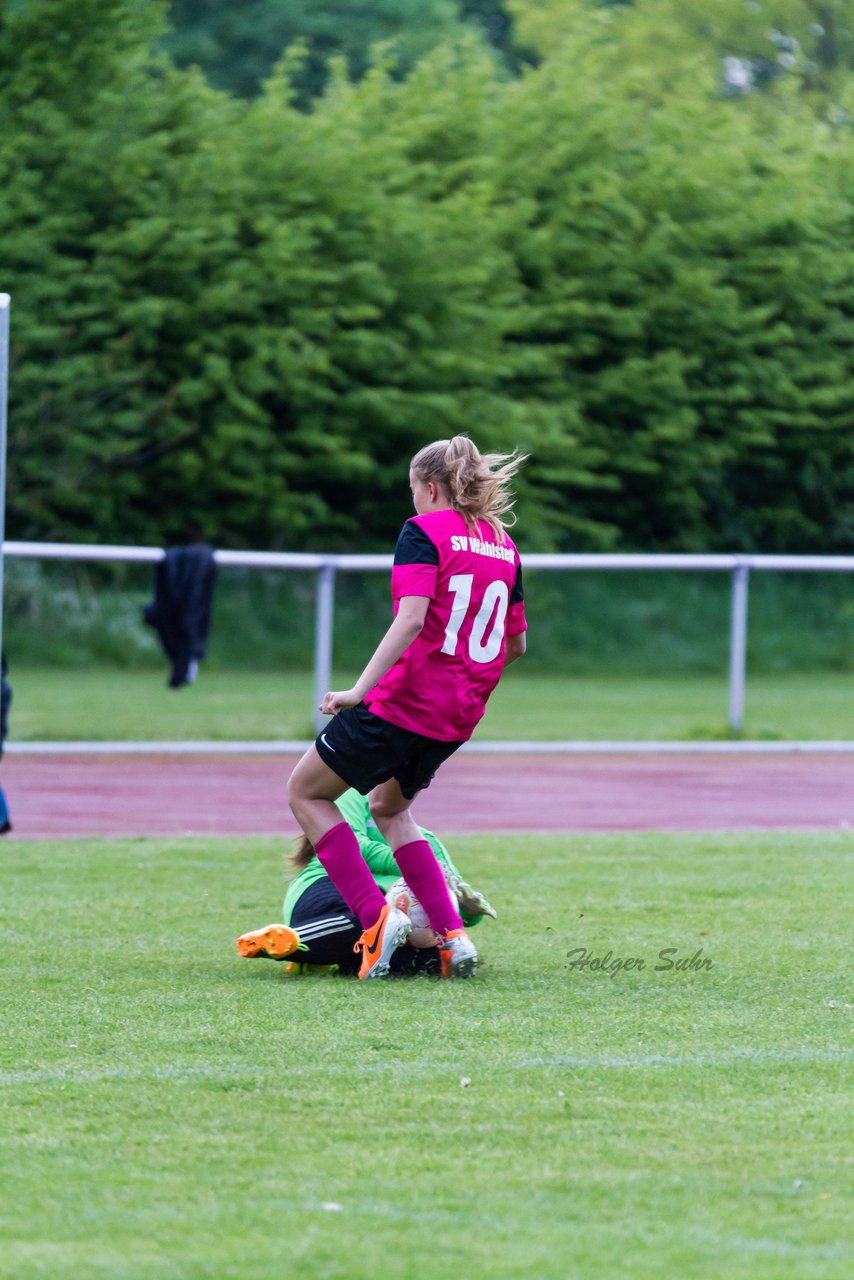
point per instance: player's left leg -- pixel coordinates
(390, 810)
(421, 871)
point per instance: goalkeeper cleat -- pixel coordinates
(378, 943)
(273, 942)
(458, 955)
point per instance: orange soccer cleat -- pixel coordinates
(273, 942)
(378, 943)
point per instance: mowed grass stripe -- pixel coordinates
(562, 1062)
(171, 1111)
(104, 704)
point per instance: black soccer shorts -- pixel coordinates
(365, 751)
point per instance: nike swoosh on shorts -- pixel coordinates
(326, 744)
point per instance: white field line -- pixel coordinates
(174, 747)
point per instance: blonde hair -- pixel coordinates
(478, 484)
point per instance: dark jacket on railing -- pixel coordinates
(181, 610)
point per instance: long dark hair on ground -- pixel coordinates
(303, 852)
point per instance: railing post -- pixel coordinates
(738, 646)
(324, 623)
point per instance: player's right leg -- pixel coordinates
(313, 787)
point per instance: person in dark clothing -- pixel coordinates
(5, 704)
(181, 610)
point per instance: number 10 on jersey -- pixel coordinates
(491, 615)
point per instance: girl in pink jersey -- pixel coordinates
(459, 620)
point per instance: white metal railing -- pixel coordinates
(327, 566)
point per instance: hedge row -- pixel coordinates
(241, 319)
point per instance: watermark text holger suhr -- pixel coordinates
(668, 960)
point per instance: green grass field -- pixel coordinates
(173, 1113)
(80, 703)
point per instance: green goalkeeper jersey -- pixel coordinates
(375, 849)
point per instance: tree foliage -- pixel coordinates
(746, 46)
(241, 318)
(700, 278)
(237, 45)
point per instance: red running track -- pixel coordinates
(83, 796)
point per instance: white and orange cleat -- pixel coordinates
(458, 955)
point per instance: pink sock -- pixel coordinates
(422, 873)
(339, 853)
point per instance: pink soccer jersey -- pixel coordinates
(439, 687)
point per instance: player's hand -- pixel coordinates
(334, 702)
(471, 902)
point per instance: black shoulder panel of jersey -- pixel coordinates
(414, 547)
(517, 595)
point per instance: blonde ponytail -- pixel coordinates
(478, 484)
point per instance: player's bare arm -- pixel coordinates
(514, 647)
(406, 626)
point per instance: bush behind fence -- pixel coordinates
(72, 615)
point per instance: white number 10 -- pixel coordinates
(497, 593)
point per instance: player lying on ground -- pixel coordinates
(320, 930)
(459, 621)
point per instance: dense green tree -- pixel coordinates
(745, 46)
(693, 276)
(245, 321)
(237, 44)
(93, 131)
(243, 318)
(492, 18)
